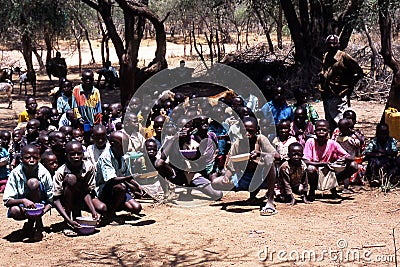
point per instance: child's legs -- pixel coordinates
(99, 206)
(118, 196)
(270, 180)
(71, 199)
(132, 205)
(312, 174)
(16, 213)
(204, 185)
(34, 193)
(219, 184)
(345, 175)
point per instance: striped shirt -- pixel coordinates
(85, 106)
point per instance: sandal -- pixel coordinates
(268, 211)
(69, 232)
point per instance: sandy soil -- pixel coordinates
(226, 233)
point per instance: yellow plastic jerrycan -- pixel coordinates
(392, 118)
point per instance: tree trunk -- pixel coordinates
(27, 51)
(385, 26)
(39, 59)
(49, 46)
(279, 27)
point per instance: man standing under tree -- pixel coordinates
(340, 72)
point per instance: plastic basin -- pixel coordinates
(86, 229)
(86, 221)
(189, 154)
(35, 211)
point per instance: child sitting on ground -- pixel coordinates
(249, 175)
(32, 133)
(29, 183)
(29, 113)
(177, 168)
(15, 150)
(100, 143)
(4, 158)
(320, 153)
(74, 184)
(283, 140)
(113, 179)
(381, 154)
(293, 176)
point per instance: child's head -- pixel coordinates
(346, 126)
(279, 94)
(49, 161)
(185, 127)
(251, 126)
(57, 141)
(116, 143)
(44, 142)
(32, 128)
(106, 109)
(170, 129)
(265, 126)
(17, 135)
(322, 130)
(30, 157)
(237, 102)
(176, 113)
(5, 139)
(168, 105)
(350, 114)
(99, 136)
(77, 135)
(43, 115)
(134, 105)
(67, 130)
(131, 123)
(87, 79)
(300, 94)
(382, 132)
(283, 129)
(31, 105)
(116, 110)
(70, 114)
(158, 125)
(243, 112)
(54, 117)
(192, 112)
(74, 151)
(300, 116)
(151, 148)
(179, 98)
(268, 82)
(202, 124)
(295, 153)
(66, 87)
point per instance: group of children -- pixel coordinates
(211, 146)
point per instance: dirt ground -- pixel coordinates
(354, 231)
